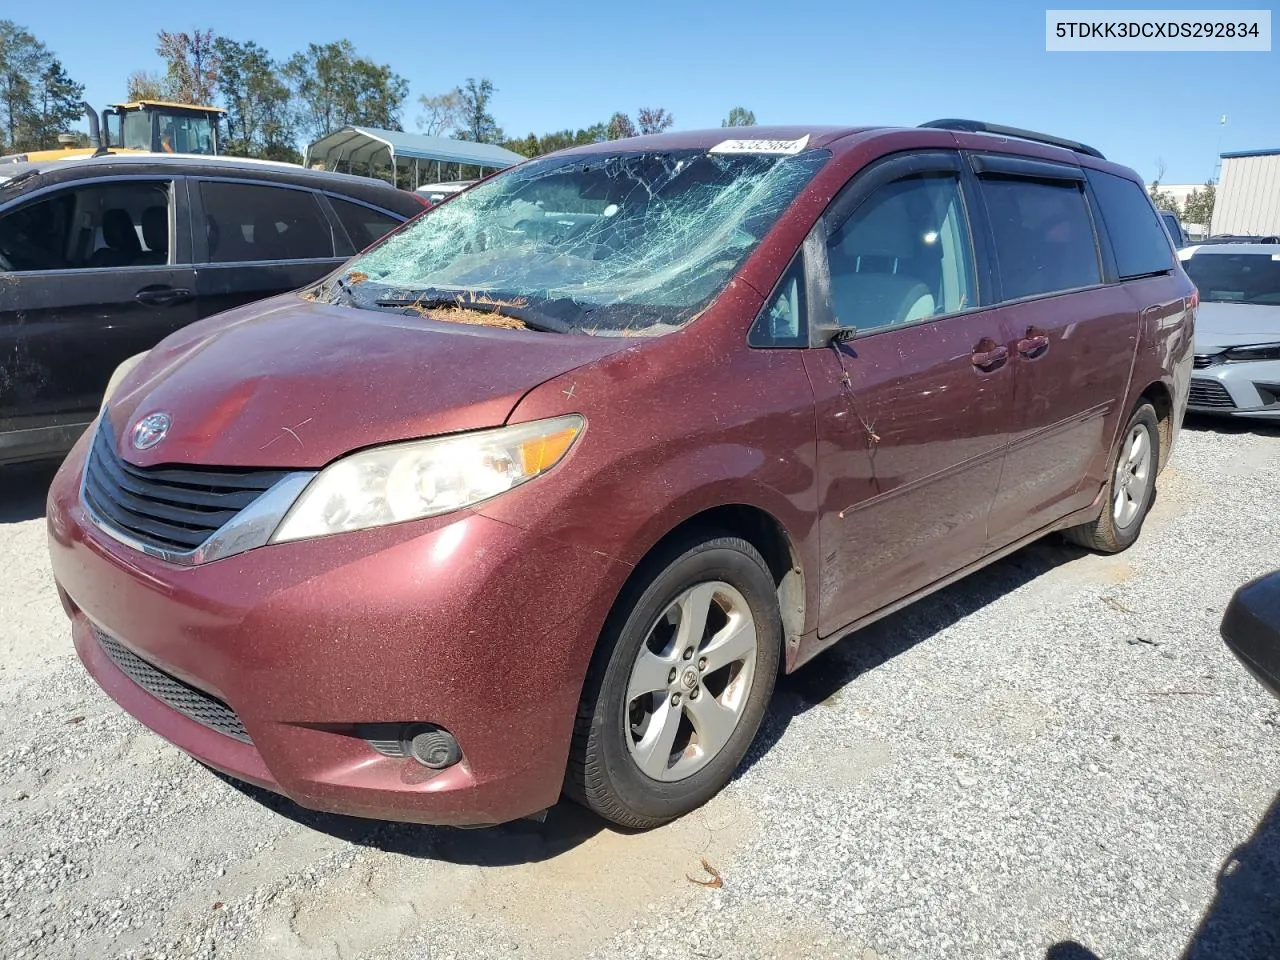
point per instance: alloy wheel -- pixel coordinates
(1133, 476)
(690, 682)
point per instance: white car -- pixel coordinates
(1237, 347)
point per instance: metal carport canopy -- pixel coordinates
(364, 144)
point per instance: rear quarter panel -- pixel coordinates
(1165, 346)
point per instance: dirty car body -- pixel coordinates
(430, 500)
(103, 257)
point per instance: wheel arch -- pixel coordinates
(758, 527)
(1158, 394)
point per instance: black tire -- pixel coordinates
(602, 773)
(1105, 534)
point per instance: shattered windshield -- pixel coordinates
(609, 244)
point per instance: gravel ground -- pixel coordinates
(1056, 758)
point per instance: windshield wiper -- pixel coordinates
(436, 299)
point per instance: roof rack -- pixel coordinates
(979, 126)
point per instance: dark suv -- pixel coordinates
(542, 491)
(101, 258)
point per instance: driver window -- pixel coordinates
(120, 224)
(903, 255)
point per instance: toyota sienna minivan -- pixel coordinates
(539, 494)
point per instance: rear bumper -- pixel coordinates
(1251, 628)
(460, 621)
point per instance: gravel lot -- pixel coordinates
(1056, 758)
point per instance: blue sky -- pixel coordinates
(571, 64)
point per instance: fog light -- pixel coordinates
(435, 748)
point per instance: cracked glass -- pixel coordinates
(617, 244)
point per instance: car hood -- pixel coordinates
(291, 383)
(1223, 325)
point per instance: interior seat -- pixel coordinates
(874, 276)
(121, 237)
(155, 232)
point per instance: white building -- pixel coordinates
(1179, 191)
(1248, 199)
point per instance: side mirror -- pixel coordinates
(824, 327)
(825, 334)
(1251, 628)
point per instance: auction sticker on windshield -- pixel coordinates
(761, 146)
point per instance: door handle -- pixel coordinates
(1033, 346)
(991, 357)
(161, 295)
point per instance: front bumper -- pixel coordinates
(1248, 389)
(460, 621)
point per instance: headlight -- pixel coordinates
(121, 372)
(1261, 351)
(408, 481)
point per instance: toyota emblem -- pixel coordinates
(150, 430)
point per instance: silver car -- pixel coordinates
(1237, 362)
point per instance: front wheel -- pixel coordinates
(1130, 490)
(679, 684)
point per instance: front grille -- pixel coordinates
(171, 508)
(1202, 360)
(1209, 393)
(187, 700)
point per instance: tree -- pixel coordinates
(1163, 200)
(260, 116)
(440, 113)
(144, 86)
(38, 100)
(477, 122)
(1198, 207)
(336, 88)
(534, 146)
(191, 65)
(739, 117)
(620, 127)
(19, 63)
(654, 120)
(57, 100)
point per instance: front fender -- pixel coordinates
(667, 439)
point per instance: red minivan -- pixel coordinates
(540, 493)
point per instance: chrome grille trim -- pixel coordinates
(256, 509)
(1202, 360)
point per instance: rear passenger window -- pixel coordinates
(1137, 236)
(1043, 236)
(364, 224)
(246, 221)
(902, 256)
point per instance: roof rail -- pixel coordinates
(979, 126)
